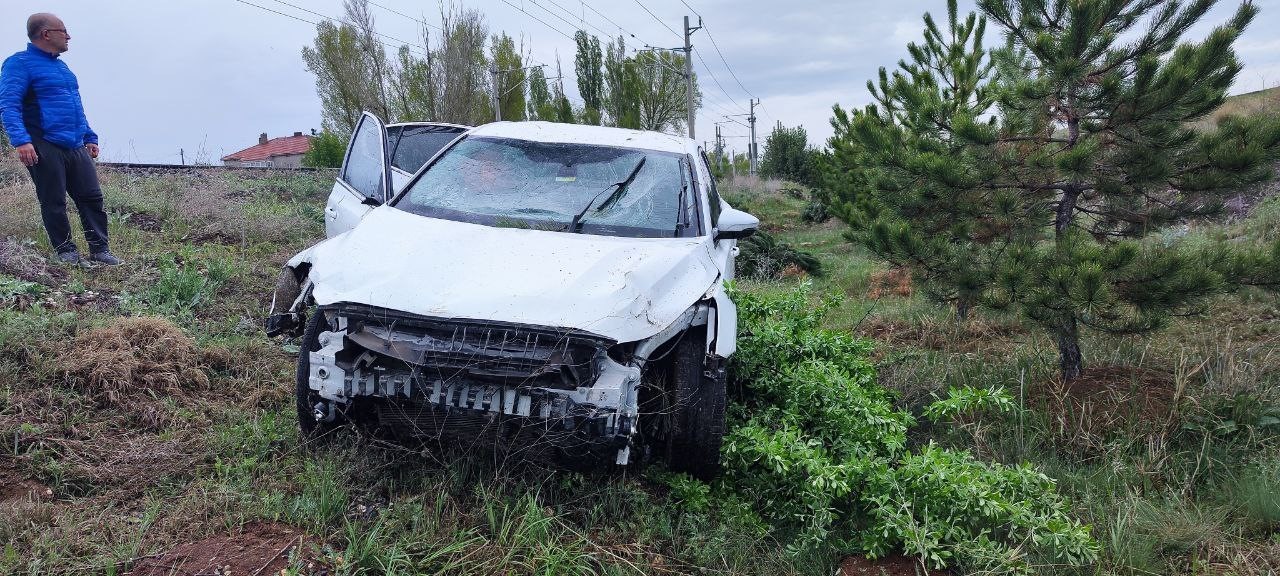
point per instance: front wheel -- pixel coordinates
(689, 426)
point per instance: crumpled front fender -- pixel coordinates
(290, 298)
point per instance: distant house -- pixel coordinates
(283, 152)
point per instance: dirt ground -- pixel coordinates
(16, 490)
(259, 548)
(888, 566)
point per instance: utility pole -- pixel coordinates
(752, 118)
(182, 155)
(688, 69)
(719, 149)
(493, 95)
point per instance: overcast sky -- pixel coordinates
(207, 76)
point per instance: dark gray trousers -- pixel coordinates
(63, 172)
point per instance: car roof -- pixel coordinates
(538, 131)
(459, 127)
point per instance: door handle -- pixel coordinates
(331, 211)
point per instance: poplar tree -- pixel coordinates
(511, 79)
(540, 104)
(588, 61)
(1050, 174)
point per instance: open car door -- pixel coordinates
(364, 182)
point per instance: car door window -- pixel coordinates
(713, 197)
(417, 144)
(363, 168)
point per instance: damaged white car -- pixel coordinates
(534, 282)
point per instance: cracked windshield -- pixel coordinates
(600, 190)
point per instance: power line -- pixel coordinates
(712, 38)
(331, 19)
(543, 22)
(278, 12)
(399, 13)
(304, 20)
(713, 77)
(581, 19)
(655, 17)
(609, 20)
(575, 27)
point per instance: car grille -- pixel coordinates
(507, 354)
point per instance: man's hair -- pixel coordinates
(37, 23)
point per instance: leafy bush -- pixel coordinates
(327, 150)
(968, 400)
(820, 451)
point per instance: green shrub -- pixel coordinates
(819, 450)
(764, 257)
(182, 286)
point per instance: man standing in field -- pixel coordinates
(44, 118)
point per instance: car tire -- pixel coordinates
(306, 397)
(694, 407)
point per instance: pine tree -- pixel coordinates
(905, 173)
(1048, 176)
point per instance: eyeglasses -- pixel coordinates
(62, 30)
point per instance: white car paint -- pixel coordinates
(625, 289)
(586, 134)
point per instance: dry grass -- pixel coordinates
(1263, 101)
(134, 357)
(894, 282)
(21, 260)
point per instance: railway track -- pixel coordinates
(201, 167)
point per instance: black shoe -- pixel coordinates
(70, 257)
(105, 257)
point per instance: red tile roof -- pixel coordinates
(284, 146)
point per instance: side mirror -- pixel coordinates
(735, 224)
(371, 201)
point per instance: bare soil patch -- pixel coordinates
(16, 489)
(259, 548)
(145, 222)
(887, 566)
(27, 263)
(98, 301)
(1108, 399)
(214, 237)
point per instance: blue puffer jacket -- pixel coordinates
(40, 97)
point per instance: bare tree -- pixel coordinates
(461, 68)
(373, 54)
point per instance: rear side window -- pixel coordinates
(417, 144)
(713, 197)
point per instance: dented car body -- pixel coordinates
(532, 276)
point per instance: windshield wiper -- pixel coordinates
(618, 189)
(682, 216)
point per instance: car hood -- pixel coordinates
(625, 289)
